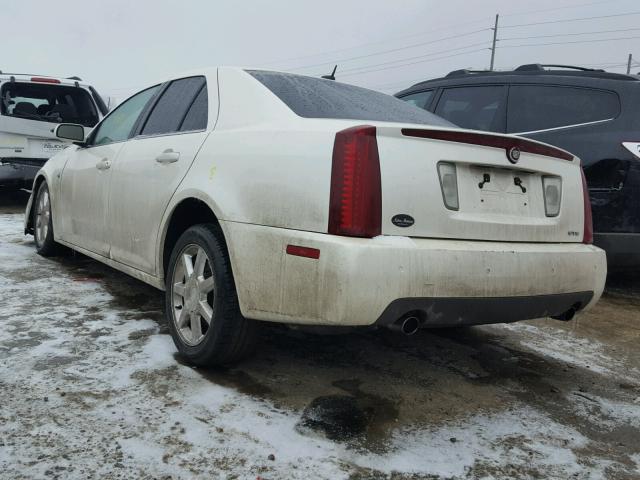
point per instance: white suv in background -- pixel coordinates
(30, 108)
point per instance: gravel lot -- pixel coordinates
(91, 387)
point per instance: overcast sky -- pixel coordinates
(123, 45)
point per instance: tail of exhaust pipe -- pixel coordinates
(407, 325)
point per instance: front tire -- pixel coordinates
(43, 223)
(201, 301)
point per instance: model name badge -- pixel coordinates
(53, 146)
(402, 220)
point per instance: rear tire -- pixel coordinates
(201, 301)
(43, 223)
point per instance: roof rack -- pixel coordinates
(464, 71)
(538, 67)
(78, 79)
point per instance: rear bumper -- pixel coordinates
(359, 281)
(623, 249)
(452, 312)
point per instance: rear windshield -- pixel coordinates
(48, 103)
(320, 98)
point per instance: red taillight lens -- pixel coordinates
(44, 80)
(588, 217)
(355, 203)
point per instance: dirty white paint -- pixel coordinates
(355, 279)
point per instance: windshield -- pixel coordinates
(312, 97)
(48, 103)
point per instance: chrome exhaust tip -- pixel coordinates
(407, 325)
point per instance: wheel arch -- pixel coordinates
(192, 209)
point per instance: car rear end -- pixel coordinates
(30, 107)
(424, 224)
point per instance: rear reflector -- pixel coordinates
(448, 184)
(355, 201)
(552, 192)
(507, 143)
(299, 251)
(44, 80)
(587, 237)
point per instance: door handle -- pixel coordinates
(103, 164)
(168, 156)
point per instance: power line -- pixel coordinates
(365, 67)
(415, 63)
(557, 8)
(572, 20)
(569, 34)
(421, 44)
(448, 27)
(340, 50)
(568, 43)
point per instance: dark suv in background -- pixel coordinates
(591, 113)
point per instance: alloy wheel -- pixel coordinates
(43, 215)
(192, 294)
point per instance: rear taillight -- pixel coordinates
(44, 80)
(355, 202)
(587, 237)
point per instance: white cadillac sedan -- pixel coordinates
(254, 195)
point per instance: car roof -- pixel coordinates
(535, 73)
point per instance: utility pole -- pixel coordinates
(629, 64)
(493, 46)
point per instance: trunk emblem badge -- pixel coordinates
(402, 220)
(513, 154)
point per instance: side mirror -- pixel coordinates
(70, 131)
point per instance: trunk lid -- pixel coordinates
(498, 199)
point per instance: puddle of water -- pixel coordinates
(338, 417)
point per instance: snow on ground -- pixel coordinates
(583, 352)
(90, 388)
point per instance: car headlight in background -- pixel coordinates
(448, 184)
(552, 189)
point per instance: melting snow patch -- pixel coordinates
(582, 352)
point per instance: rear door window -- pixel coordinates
(172, 107)
(48, 103)
(197, 116)
(311, 97)
(476, 107)
(542, 107)
(420, 99)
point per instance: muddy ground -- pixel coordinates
(91, 387)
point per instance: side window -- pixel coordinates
(420, 99)
(197, 116)
(118, 125)
(173, 106)
(540, 107)
(477, 107)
